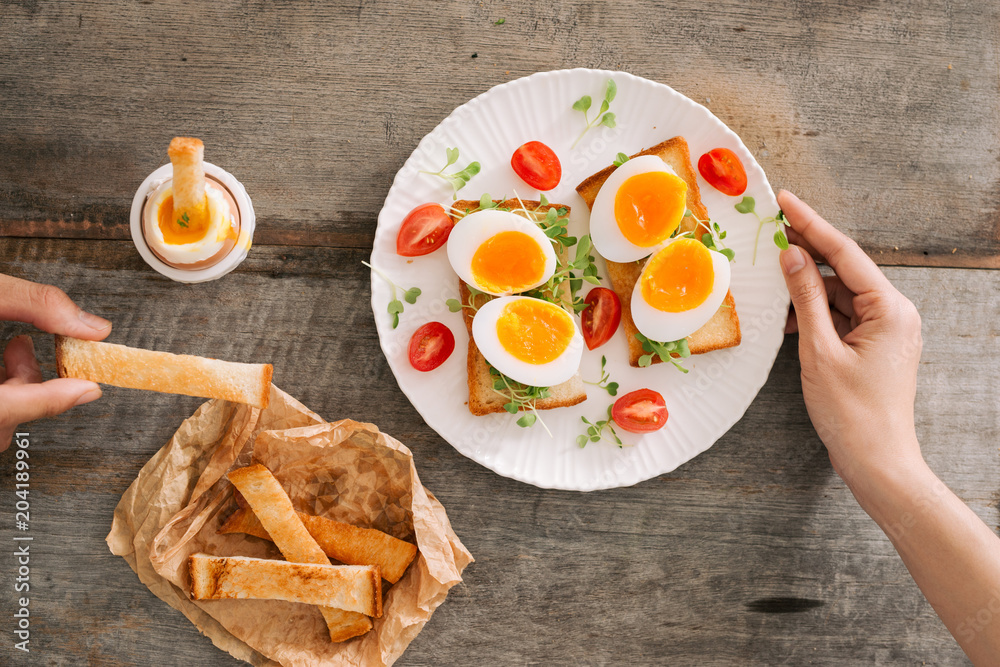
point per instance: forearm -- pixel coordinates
(951, 554)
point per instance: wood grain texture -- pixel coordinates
(882, 114)
(753, 553)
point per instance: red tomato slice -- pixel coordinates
(537, 165)
(600, 319)
(723, 171)
(424, 230)
(430, 346)
(640, 411)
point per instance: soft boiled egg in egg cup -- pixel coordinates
(681, 287)
(500, 253)
(637, 209)
(531, 341)
(200, 252)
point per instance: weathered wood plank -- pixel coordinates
(882, 115)
(691, 567)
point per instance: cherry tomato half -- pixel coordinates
(640, 411)
(424, 230)
(723, 171)
(600, 319)
(430, 346)
(537, 165)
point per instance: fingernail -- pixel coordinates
(792, 260)
(94, 322)
(88, 396)
(29, 340)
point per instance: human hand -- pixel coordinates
(23, 395)
(859, 346)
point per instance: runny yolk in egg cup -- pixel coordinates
(191, 244)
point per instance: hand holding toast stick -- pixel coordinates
(24, 397)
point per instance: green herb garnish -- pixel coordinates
(520, 397)
(746, 205)
(604, 117)
(664, 351)
(184, 220)
(457, 179)
(620, 159)
(610, 387)
(712, 239)
(595, 431)
(454, 305)
(500, 22)
(395, 305)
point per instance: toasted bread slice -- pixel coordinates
(723, 330)
(483, 400)
(347, 587)
(133, 368)
(341, 541)
(269, 502)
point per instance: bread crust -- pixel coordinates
(347, 587)
(723, 330)
(483, 400)
(135, 368)
(341, 541)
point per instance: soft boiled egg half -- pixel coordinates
(681, 287)
(531, 341)
(500, 253)
(191, 243)
(637, 209)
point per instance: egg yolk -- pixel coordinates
(534, 331)
(180, 230)
(678, 278)
(508, 262)
(649, 207)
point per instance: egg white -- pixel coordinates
(476, 228)
(220, 221)
(665, 327)
(607, 237)
(561, 369)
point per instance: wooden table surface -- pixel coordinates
(883, 115)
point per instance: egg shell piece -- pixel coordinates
(604, 231)
(666, 327)
(561, 369)
(474, 229)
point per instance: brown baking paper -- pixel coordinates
(347, 471)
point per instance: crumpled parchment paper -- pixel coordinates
(347, 471)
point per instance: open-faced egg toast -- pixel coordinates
(492, 262)
(676, 177)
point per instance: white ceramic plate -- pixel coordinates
(703, 404)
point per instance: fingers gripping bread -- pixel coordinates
(723, 330)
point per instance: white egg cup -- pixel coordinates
(235, 256)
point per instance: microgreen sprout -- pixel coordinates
(604, 117)
(457, 179)
(746, 205)
(184, 220)
(610, 387)
(664, 351)
(454, 305)
(620, 159)
(395, 305)
(520, 397)
(713, 238)
(500, 22)
(595, 431)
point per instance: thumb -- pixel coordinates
(28, 402)
(808, 292)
